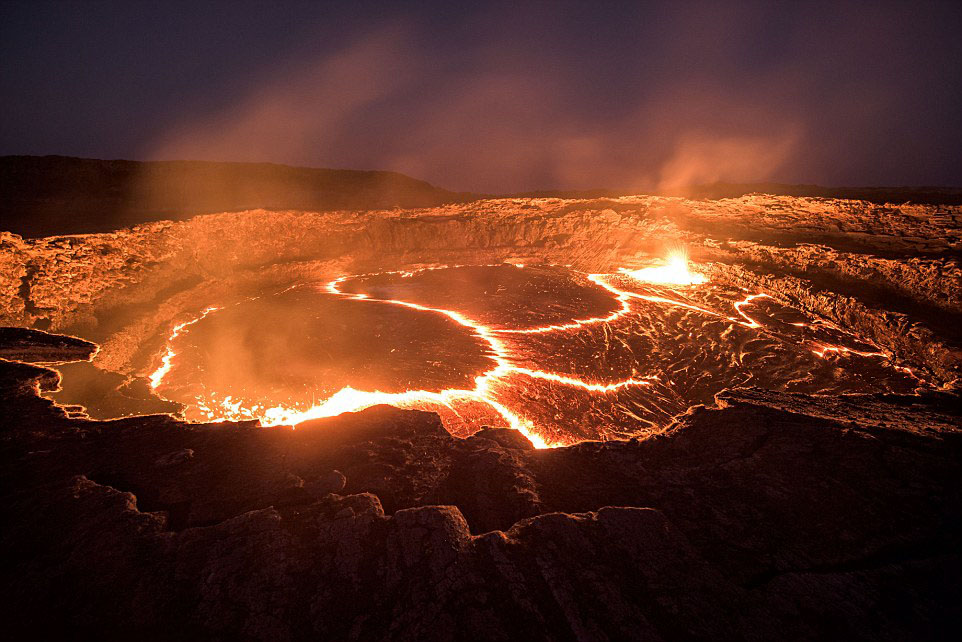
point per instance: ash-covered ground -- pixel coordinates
(772, 453)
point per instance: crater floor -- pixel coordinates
(563, 356)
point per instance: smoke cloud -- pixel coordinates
(511, 97)
(492, 129)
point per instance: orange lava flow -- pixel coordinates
(349, 399)
(166, 362)
(822, 349)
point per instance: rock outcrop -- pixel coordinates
(35, 346)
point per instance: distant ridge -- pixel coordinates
(57, 195)
(880, 195)
(54, 195)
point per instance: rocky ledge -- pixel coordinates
(767, 516)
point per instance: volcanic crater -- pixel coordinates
(563, 402)
(560, 355)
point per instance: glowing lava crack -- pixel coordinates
(503, 358)
(166, 362)
(349, 399)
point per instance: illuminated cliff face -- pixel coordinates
(559, 355)
(568, 319)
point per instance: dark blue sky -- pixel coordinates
(499, 96)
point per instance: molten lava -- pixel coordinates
(560, 382)
(166, 361)
(676, 271)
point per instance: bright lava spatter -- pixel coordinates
(674, 272)
(351, 400)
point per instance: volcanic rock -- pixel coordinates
(770, 515)
(34, 346)
(763, 515)
(505, 437)
(855, 262)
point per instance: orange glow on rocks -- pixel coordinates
(675, 271)
(485, 403)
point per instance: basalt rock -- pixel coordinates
(34, 346)
(769, 515)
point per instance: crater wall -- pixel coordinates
(892, 272)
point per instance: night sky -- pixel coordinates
(499, 97)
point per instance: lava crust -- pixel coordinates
(751, 502)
